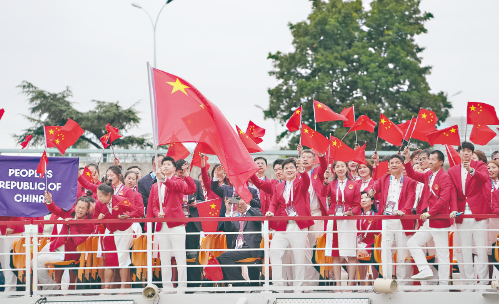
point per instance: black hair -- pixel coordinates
(289, 160)
(94, 165)
(386, 158)
(278, 161)
(396, 156)
(494, 153)
(260, 158)
(106, 188)
(133, 166)
(168, 158)
(153, 160)
(130, 172)
(374, 206)
(333, 169)
(80, 168)
(179, 164)
(87, 199)
(439, 154)
(310, 151)
(117, 171)
(467, 145)
(427, 152)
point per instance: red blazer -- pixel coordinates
(125, 192)
(207, 184)
(406, 198)
(266, 187)
(369, 239)
(474, 189)
(352, 196)
(317, 178)
(368, 187)
(437, 201)
(131, 210)
(70, 242)
(492, 193)
(300, 202)
(138, 204)
(16, 228)
(175, 189)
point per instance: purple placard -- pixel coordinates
(22, 189)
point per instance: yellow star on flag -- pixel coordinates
(88, 174)
(424, 115)
(241, 131)
(51, 131)
(383, 121)
(57, 141)
(334, 143)
(472, 108)
(319, 105)
(213, 205)
(178, 86)
(297, 112)
(453, 130)
(306, 130)
(202, 107)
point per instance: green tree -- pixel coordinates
(344, 56)
(54, 109)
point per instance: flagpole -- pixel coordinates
(329, 145)
(355, 132)
(409, 139)
(100, 158)
(152, 99)
(300, 129)
(112, 150)
(406, 133)
(347, 133)
(465, 135)
(45, 135)
(376, 145)
(449, 154)
(314, 112)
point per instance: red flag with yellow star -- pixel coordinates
(323, 113)
(26, 141)
(409, 130)
(251, 146)
(363, 123)
(114, 133)
(453, 156)
(313, 139)
(445, 136)
(390, 132)
(426, 122)
(481, 134)
(481, 113)
(67, 135)
(339, 151)
(382, 169)
(212, 271)
(204, 149)
(50, 134)
(177, 151)
(255, 132)
(294, 121)
(42, 166)
(348, 113)
(210, 208)
(182, 114)
(104, 140)
(87, 174)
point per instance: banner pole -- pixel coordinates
(45, 135)
(100, 158)
(152, 100)
(465, 135)
(314, 112)
(406, 133)
(376, 145)
(409, 139)
(355, 132)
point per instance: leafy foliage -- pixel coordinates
(344, 56)
(54, 109)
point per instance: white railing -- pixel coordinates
(264, 283)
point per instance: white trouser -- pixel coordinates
(440, 237)
(401, 240)
(311, 274)
(297, 239)
(45, 257)
(175, 239)
(472, 229)
(6, 245)
(123, 241)
(492, 235)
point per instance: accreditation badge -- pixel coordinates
(290, 210)
(339, 210)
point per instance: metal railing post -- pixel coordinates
(149, 238)
(384, 249)
(265, 229)
(30, 231)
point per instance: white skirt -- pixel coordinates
(347, 240)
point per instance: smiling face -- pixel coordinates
(278, 171)
(395, 166)
(493, 171)
(103, 198)
(366, 202)
(434, 163)
(307, 160)
(340, 170)
(290, 171)
(353, 166)
(423, 161)
(115, 179)
(364, 171)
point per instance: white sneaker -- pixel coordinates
(423, 275)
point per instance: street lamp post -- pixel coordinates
(153, 24)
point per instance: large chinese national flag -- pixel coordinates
(390, 132)
(481, 113)
(313, 139)
(445, 136)
(182, 114)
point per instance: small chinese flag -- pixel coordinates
(204, 149)
(481, 113)
(409, 130)
(482, 134)
(426, 121)
(444, 136)
(2, 111)
(213, 271)
(390, 132)
(381, 170)
(26, 141)
(87, 174)
(339, 151)
(177, 151)
(113, 133)
(323, 113)
(67, 135)
(453, 156)
(42, 166)
(363, 123)
(255, 132)
(210, 208)
(104, 140)
(348, 113)
(313, 139)
(293, 123)
(50, 134)
(251, 146)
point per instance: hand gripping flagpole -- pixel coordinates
(45, 135)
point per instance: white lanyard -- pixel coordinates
(290, 199)
(364, 184)
(118, 189)
(369, 225)
(341, 190)
(390, 183)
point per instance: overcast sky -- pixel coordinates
(100, 48)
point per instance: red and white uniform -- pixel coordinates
(402, 192)
(266, 186)
(492, 193)
(435, 200)
(367, 230)
(207, 185)
(172, 234)
(119, 190)
(294, 198)
(470, 197)
(6, 245)
(345, 196)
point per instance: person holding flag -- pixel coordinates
(168, 200)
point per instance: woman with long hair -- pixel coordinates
(345, 197)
